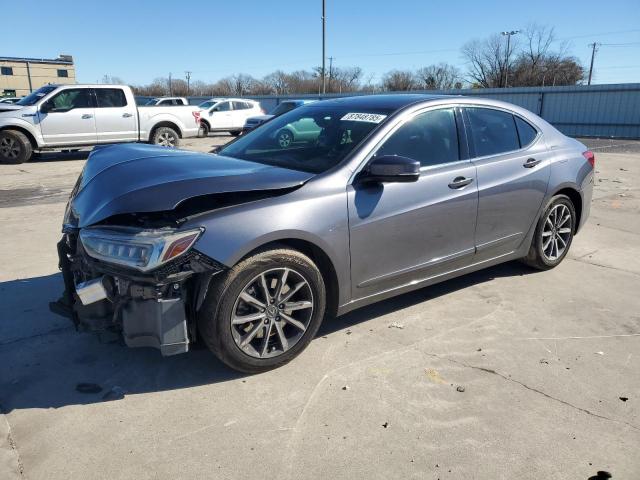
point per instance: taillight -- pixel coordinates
(196, 116)
(591, 158)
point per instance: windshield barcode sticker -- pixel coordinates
(364, 117)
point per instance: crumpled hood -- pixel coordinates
(136, 178)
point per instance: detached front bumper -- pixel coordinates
(154, 309)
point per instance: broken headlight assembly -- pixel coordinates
(140, 249)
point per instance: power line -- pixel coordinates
(630, 44)
(601, 34)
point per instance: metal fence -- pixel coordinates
(611, 111)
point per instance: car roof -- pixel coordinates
(388, 101)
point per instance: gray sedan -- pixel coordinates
(251, 248)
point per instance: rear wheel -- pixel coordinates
(553, 235)
(204, 129)
(236, 133)
(264, 311)
(165, 136)
(15, 147)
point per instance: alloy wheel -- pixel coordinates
(557, 231)
(272, 313)
(284, 139)
(166, 139)
(9, 148)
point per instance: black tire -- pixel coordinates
(204, 129)
(537, 257)
(284, 138)
(165, 136)
(214, 318)
(15, 147)
(236, 133)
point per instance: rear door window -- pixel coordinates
(492, 131)
(110, 97)
(526, 132)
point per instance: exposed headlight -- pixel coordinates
(143, 250)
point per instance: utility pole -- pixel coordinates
(506, 60)
(170, 87)
(330, 72)
(594, 49)
(188, 75)
(324, 80)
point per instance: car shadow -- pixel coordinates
(43, 361)
(43, 157)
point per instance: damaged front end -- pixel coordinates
(146, 283)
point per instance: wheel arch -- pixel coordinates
(165, 123)
(318, 256)
(575, 196)
(26, 132)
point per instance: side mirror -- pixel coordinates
(45, 107)
(392, 169)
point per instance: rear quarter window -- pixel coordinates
(492, 131)
(526, 132)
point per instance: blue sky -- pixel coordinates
(139, 40)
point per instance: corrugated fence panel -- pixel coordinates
(580, 110)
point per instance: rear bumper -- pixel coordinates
(157, 309)
(587, 194)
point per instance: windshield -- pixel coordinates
(208, 104)
(284, 107)
(312, 139)
(152, 101)
(33, 97)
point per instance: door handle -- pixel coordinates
(531, 162)
(460, 182)
(127, 115)
(85, 116)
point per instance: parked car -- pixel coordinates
(227, 115)
(283, 107)
(9, 100)
(249, 249)
(57, 117)
(166, 101)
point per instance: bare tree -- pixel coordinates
(535, 62)
(486, 60)
(112, 80)
(398, 80)
(278, 82)
(437, 77)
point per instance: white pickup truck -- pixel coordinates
(68, 117)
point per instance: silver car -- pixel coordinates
(249, 249)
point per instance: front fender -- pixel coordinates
(234, 232)
(19, 124)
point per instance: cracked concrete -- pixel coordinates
(543, 359)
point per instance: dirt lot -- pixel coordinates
(506, 373)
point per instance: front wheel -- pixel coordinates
(264, 311)
(553, 235)
(14, 147)
(166, 137)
